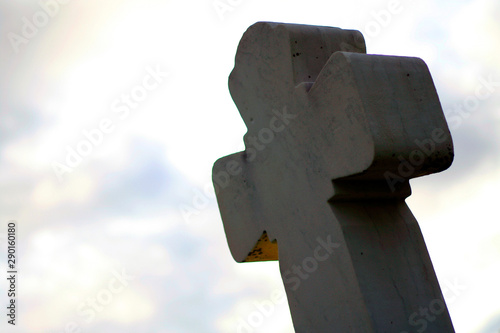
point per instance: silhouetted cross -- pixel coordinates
(352, 256)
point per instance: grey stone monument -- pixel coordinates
(334, 135)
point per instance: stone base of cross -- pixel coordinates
(334, 135)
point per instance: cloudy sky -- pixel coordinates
(99, 183)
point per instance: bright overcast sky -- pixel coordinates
(103, 246)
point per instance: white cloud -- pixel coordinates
(474, 32)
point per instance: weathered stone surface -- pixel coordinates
(351, 254)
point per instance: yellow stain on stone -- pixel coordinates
(264, 250)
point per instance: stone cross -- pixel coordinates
(334, 135)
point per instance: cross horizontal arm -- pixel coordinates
(238, 201)
(376, 112)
